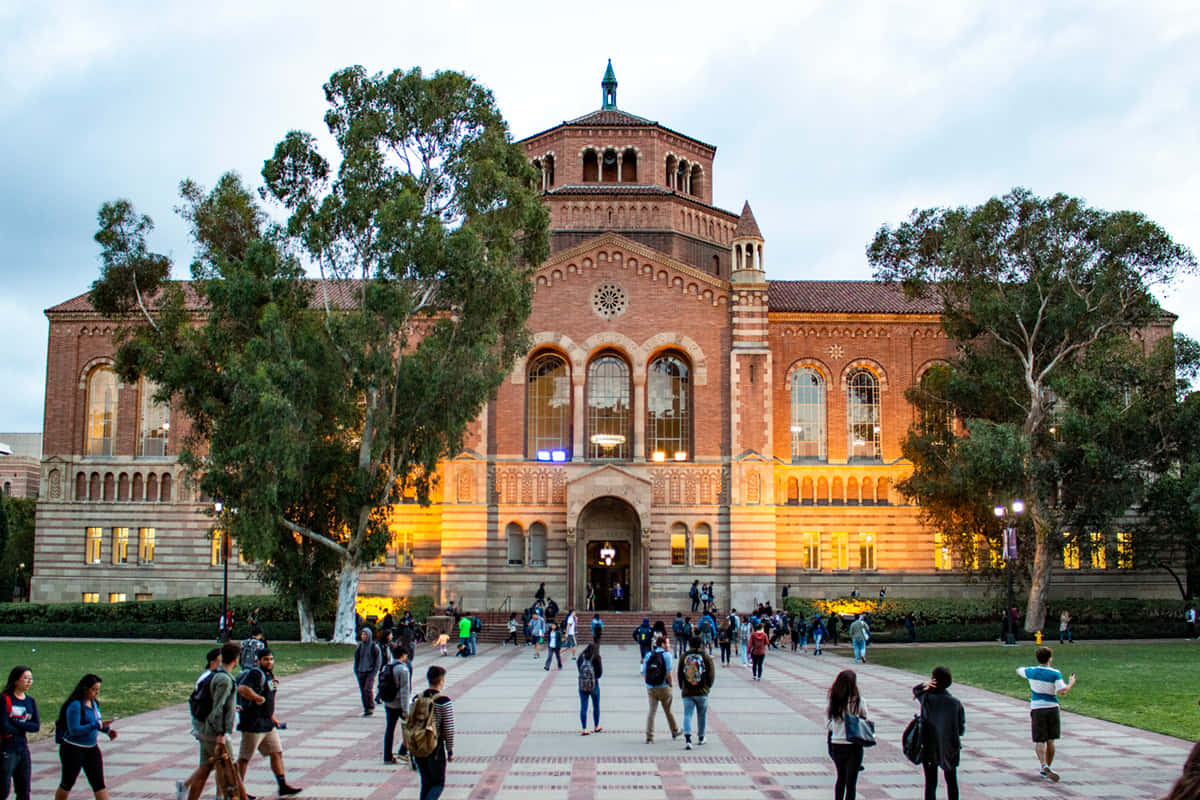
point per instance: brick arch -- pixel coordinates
(672, 339)
(93, 363)
(619, 342)
(928, 365)
(814, 363)
(867, 363)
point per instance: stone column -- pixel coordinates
(639, 417)
(578, 416)
(572, 600)
(646, 540)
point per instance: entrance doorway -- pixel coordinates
(608, 573)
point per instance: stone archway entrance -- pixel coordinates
(609, 555)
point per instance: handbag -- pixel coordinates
(913, 739)
(859, 730)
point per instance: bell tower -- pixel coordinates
(609, 86)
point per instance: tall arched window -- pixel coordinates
(629, 166)
(609, 419)
(537, 545)
(863, 426)
(548, 408)
(101, 411)
(808, 415)
(668, 409)
(591, 167)
(154, 423)
(608, 167)
(516, 544)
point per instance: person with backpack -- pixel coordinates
(76, 730)
(248, 659)
(512, 630)
(694, 596)
(817, 631)
(656, 671)
(212, 709)
(554, 646)
(367, 660)
(476, 629)
(537, 632)
(677, 634)
(257, 722)
(395, 690)
(945, 723)
(725, 640)
(644, 635)
(597, 629)
(18, 718)
(758, 651)
(429, 734)
(696, 674)
(847, 756)
(590, 669)
(708, 629)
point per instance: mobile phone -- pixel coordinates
(282, 726)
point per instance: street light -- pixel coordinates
(225, 632)
(1009, 521)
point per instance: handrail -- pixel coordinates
(506, 604)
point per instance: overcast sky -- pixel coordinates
(830, 121)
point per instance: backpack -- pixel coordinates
(388, 685)
(912, 741)
(656, 669)
(642, 635)
(587, 677)
(200, 701)
(705, 624)
(694, 593)
(420, 729)
(693, 669)
(249, 655)
(677, 625)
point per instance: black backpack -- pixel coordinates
(200, 701)
(642, 635)
(388, 685)
(656, 669)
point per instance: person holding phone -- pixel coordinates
(78, 727)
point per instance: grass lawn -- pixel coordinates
(137, 676)
(1148, 686)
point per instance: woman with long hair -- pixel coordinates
(590, 657)
(80, 723)
(1188, 785)
(847, 756)
(18, 717)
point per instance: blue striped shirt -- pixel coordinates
(1044, 683)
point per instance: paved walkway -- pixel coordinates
(518, 737)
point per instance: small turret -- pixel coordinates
(747, 248)
(609, 85)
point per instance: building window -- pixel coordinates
(678, 545)
(1099, 550)
(143, 597)
(91, 597)
(101, 411)
(591, 167)
(701, 546)
(668, 409)
(548, 408)
(937, 417)
(116, 597)
(154, 423)
(840, 551)
(91, 549)
(402, 546)
(145, 545)
(1124, 550)
(537, 545)
(810, 552)
(1071, 555)
(218, 539)
(866, 551)
(609, 418)
(808, 415)
(516, 544)
(863, 427)
(941, 553)
(120, 545)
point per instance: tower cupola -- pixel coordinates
(609, 85)
(747, 248)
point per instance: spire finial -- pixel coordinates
(609, 85)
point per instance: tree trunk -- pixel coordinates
(1039, 585)
(308, 629)
(345, 624)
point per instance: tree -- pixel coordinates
(1042, 297)
(17, 520)
(320, 404)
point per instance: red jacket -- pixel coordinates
(758, 643)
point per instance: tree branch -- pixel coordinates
(313, 536)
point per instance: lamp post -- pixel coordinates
(219, 507)
(1008, 518)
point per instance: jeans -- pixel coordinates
(474, 642)
(432, 769)
(699, 704)
(860, 649)
(17, 770)
(389, 733)
(931, 771)
(680, 644)
(366, 689)
(816, 642)
(848, 759)
(756, 660)
(583, 704)
(660, 696)
(556, 653)
(724, 652)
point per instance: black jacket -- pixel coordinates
(945, 722)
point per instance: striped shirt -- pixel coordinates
(443, 713)
(1044, 683)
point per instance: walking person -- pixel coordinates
(367, 660)
(656, 671)
(644, 636)
(680, 643)
(945, 723)
(18, 719)
(537, 632)
(817, 631)
(1189, 616)
(1045, 685)
(396, 706)
(554, 646)
(831, 629)
(215, 701)
(569, 636)
(257, 722)
(81, 723)
(432, 765)
(476, 629)
(758, 651)
(590, 668)
(512, 630)
(744, 631)
(694, 596)
(725, 640)
(696, 675)
(847, 755)
(860, 634)
(597, 629)
(1064, 627)
(910, 625)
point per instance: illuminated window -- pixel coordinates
(941, 553)
(218, 537)
(1070, 555)
(91, 550)
(120, 545)
(609, 419)
(810, 552)
(863, 426)
(116, 597)
(154, 423)
(840, 551)
(145, 545)
(988, 554)
(866, 551)
(701, 545)
(1124, 550)
(808, 415)
(142, 597)
(1099, 550)
(516, 544)
(537, 545)
(548, 405)
(402, 546)
(91, 597)
(668, 403)
(101, 411)
(678, 545)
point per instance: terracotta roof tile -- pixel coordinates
(609, 188)
(611, 116)
(341, 295)
(846, 297)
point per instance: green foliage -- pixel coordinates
(420, 606)
(17, 522)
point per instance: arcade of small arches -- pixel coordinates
(610, 165)
(825, 490)
(122, 486)
(684, 176)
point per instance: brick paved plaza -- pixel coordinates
(518, 737)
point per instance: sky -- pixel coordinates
(831, 118)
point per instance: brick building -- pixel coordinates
(20, 464)
(679, 417)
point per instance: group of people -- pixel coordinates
(702, 597)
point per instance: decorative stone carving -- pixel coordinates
(466, 485)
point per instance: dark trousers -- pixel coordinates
(74, 759)
(931, 771)
(512, 637)
(725, 652)
(556, 653)
(757, 662)
(848, 760)
(389, 733)
(17, 770)
(695, 604)
(366, 688)
(432, 769)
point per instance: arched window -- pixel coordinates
(537, 545)
(591, 167)
(608, 167)
(808, 415)
(863, 426)
(548, 171)
(702, 546)
(695, 180)
(609, 420)
(629, 166)
(679, 545)
(671, 167)
(154, 423)
(548, 408)
(101, 411)
(164, 490)
(516, 544)
(668, 409)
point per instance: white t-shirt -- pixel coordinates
(571, 625)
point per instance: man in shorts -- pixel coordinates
(217, 724)
(1045, 685)
(257, 722)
